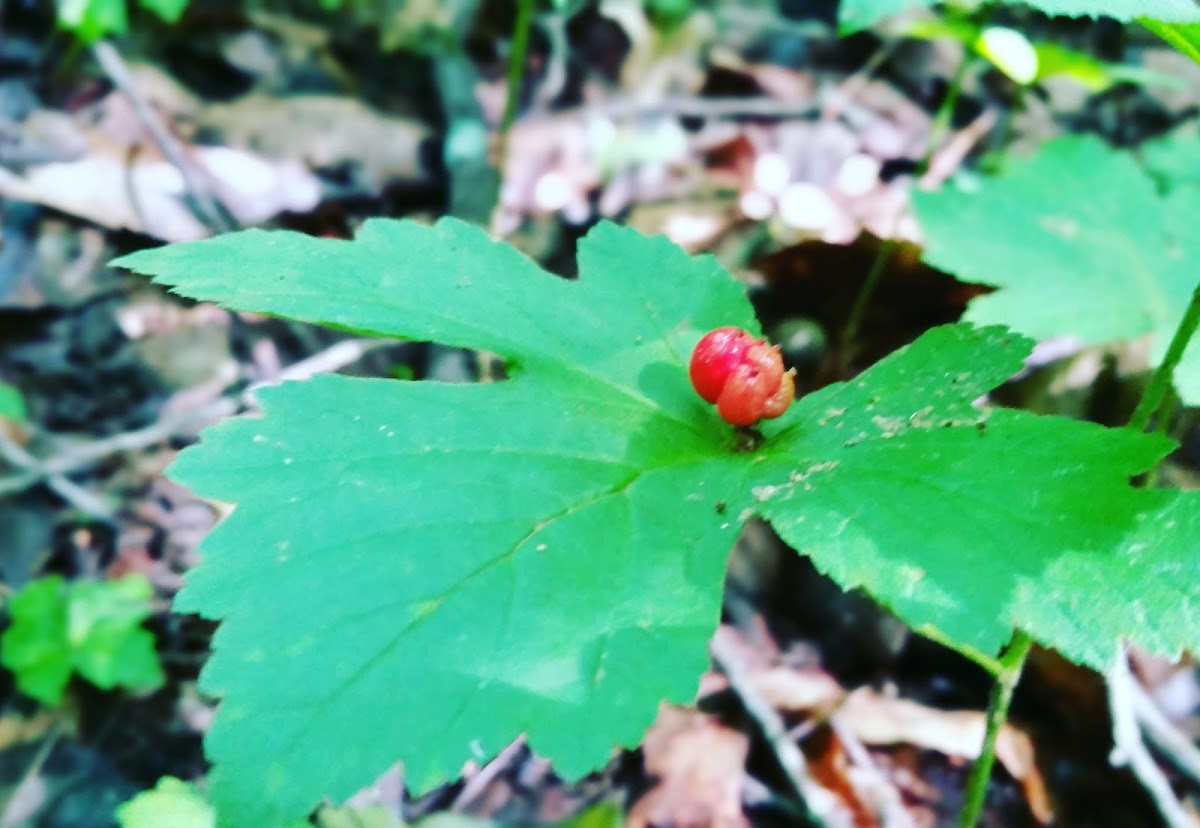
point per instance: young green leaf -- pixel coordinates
(172, 802)
(12, 403)
(858, 14)
(1173, 160)
(92, 19)
(1065, 261)
(89, 627)
(424, 571)
(169, 10)
(1185, 37)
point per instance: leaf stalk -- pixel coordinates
(1012, 663)
(1157, 390)
(516, 72)
(941, 123)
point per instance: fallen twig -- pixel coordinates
(474, 787)
(1166, 737)
(1128, 748)
(75, 457)
(73, 493)
(878, 789)
(820, 802)
(203, 202)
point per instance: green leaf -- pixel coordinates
(1173, 160)
(91, 20)
(525, 560)
(1078, 242)
(172, 803)
(1185, 37)
(12, 403)
(378, 816)
(34, 646)
(427, 570)
(169, 10)
(89, 627)
(858, 14)
(961, 519)
(1125, 10)
(1095, 74)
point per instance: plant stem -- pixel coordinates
(1160, 382)
(516, 71)
(941, 122)
(882, 256)
(992, 664)
(1013, 662)
(944, 115)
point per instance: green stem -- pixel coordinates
(1012, 663)
(516, 71)
(1160, 381)
(941, 122)
(988, 662)
(944, 115)
(882, 256)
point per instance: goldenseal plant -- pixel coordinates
(421, 571)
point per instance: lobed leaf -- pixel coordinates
(424, 571)
(428, 570)
(1067, 263)
(972, 521)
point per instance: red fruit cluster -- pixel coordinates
(743, 375)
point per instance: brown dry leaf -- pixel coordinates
(797, 689)
(118, 186)
(17, 730)
(879, 719)
(694, 224)
(51, 261)
(699, 764)
(550, 167)
(325, 132)
(660, 62)
(42, 137)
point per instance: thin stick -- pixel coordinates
(1175, 745)
(1013, 662)
(879, 790)
(819, 801)
(20, 795)
(203, 203)
(1128, 748)
(74, 458)
(474, 787)
(79, 497)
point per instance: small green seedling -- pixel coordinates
(93, 628)
(90, 20)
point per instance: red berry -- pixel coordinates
(744, 395)
(743, 375)
(778, 402)
(715, 357)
